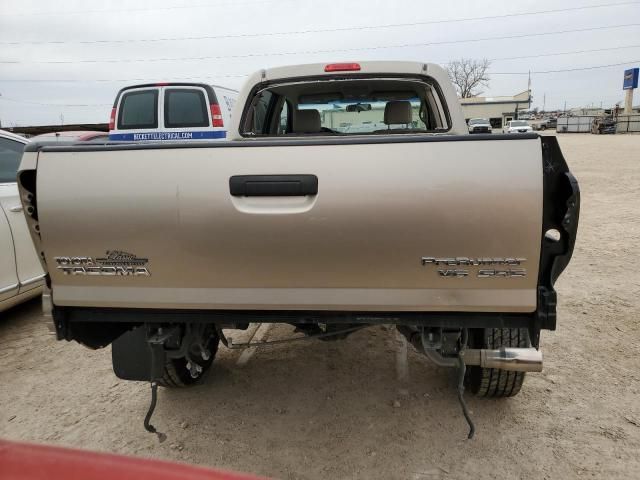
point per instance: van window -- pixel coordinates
(10, 155)
(139, 110)
(185, 108)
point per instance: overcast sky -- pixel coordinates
(99, 47)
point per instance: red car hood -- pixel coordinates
(23, 461)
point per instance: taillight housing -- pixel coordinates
(112, 119)
(216, 115)
(342, 67)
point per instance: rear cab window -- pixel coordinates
(352, 106)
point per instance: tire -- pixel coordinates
(495, 382)
(177, 375)
(543, 127)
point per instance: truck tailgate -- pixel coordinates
(430, 224)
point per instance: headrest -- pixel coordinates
(307, 121)
(397, 111)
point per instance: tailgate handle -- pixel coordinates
(273, 185)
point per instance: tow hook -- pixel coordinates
(448, 348)
(462, 370)
(147, 418)
(451, 341)
(156, 343)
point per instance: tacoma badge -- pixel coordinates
(115, 263)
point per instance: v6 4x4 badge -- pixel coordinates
(114, 263)
(487, 266)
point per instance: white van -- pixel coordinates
(171, 111)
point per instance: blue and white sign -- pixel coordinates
(630, 79)
(159, 136)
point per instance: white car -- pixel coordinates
(171, 111)
(517, 126)
(479, 125)
(21, 274)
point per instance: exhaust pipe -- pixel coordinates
(506, 358)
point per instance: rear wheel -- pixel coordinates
(495, 382)
(179, 372)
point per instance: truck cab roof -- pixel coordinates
(346, 68)
(291, 82)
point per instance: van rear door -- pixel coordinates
(136, 114)
(191, 113)
(167, 112)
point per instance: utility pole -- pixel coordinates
(544, 101)
(565, 107)
(529, 89)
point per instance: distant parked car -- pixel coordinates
(547, 123)
(517, 126)
(171, 111)
(479, 125)
(604, 125)
(21, 274)
(73, 136)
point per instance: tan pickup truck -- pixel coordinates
(348, 195)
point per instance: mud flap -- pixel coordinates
(132, 353)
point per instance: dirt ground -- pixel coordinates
(316, 410)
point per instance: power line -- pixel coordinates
(242, 75)
(491, 73)
(320, 30)
(15, 100)
(309, 52)
(562, 53)
(565, 69)
(116, 80)
(135, 10)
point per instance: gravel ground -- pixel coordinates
(333, 410)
